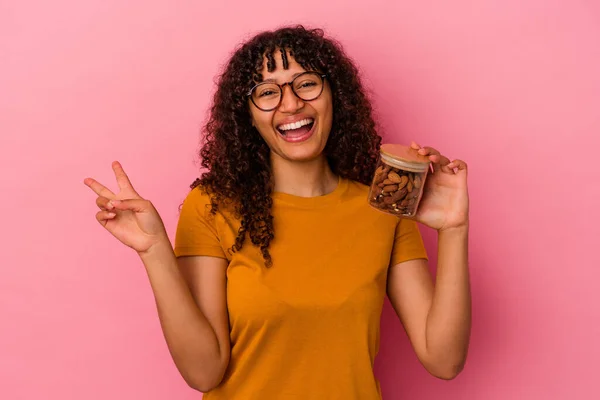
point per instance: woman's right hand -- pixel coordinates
(128, 217)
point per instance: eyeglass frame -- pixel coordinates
(290, 84)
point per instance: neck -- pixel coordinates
(304, 179)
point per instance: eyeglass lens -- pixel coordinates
(307, 86)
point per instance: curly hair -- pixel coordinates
(236, 158)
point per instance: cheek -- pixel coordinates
(327, 114)
(265, 125)
(265, 130)
(262, 122)
(327, 104)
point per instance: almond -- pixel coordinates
(394, 177)
(403, 181)
(417, 182)
(388, 200)
(399, 195)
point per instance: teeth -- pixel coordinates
(295, 125)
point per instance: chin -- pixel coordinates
(298, 153)
(307, 150)
(301, 153)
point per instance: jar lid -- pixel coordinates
(405, 155)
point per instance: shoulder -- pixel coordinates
(197, 200)
(356, 188)
(356, 200)
(197, 196)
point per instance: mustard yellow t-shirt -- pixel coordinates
(308, 326)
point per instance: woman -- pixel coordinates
(294, 312)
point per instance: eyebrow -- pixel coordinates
(293, 76)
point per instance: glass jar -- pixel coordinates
(397, 186)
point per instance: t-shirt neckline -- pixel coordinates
(333, 197)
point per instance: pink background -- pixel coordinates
(510, 86)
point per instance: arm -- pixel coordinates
(189, 292)
(190, 297)
(437, 319)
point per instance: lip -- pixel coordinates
(295, 118)
(299, 139)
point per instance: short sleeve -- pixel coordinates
(408, 242)
(197, 233)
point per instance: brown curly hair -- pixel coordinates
(235, 156)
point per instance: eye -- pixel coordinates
(306, 84)
(267, 92)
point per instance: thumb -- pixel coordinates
(135, 205)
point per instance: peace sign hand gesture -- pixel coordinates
(128, 217)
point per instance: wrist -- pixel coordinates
(457, 230)
(157, 250)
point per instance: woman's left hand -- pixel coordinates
(445, 202)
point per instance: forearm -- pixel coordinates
(190, 338)
(449, 319)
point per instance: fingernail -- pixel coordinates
(111, 215)
(109, 205)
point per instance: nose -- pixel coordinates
(289, 101)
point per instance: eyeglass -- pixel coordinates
(307, 86)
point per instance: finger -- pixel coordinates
(135, 205)
(98, 188)
(103, 203)
(104, 216)
(440, 162)
(428, 151)
(439, 159)
(435, 163)
(458, 165)
(122, 178)
(414, 145)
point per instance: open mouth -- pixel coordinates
(296, 130)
